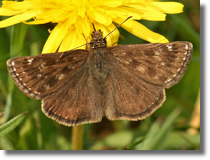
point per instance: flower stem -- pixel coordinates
(77, 137)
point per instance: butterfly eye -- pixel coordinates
(91, 44)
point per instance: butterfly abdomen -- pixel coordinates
(100, 68)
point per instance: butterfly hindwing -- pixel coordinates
(77, 102)
(130, 97)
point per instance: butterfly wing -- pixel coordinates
(63, 82)
(129, 97)
(156, 63)
(79, 103)
(38, 76)
(133, 86)
(139, 75)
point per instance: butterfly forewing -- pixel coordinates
(38, 76)
(162, 64)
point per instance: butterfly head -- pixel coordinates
(97, 39)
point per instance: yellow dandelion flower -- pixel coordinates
(74, 18)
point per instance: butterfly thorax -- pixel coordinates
(98, 55)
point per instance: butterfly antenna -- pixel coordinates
(95, 30)
(118, 26)
(72, 49)
(94, 27)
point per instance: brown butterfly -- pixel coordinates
(120, 82)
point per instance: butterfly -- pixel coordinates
(124, 82)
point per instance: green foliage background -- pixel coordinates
(166, 129)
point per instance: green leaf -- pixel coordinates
(156, 136)
(141, 139)
(10, 125)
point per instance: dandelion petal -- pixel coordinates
(17, 19)
(71, 41)
(143, 32)
(169, 7)
(55, 39)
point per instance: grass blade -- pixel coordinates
(10, 125)
(157, 134)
